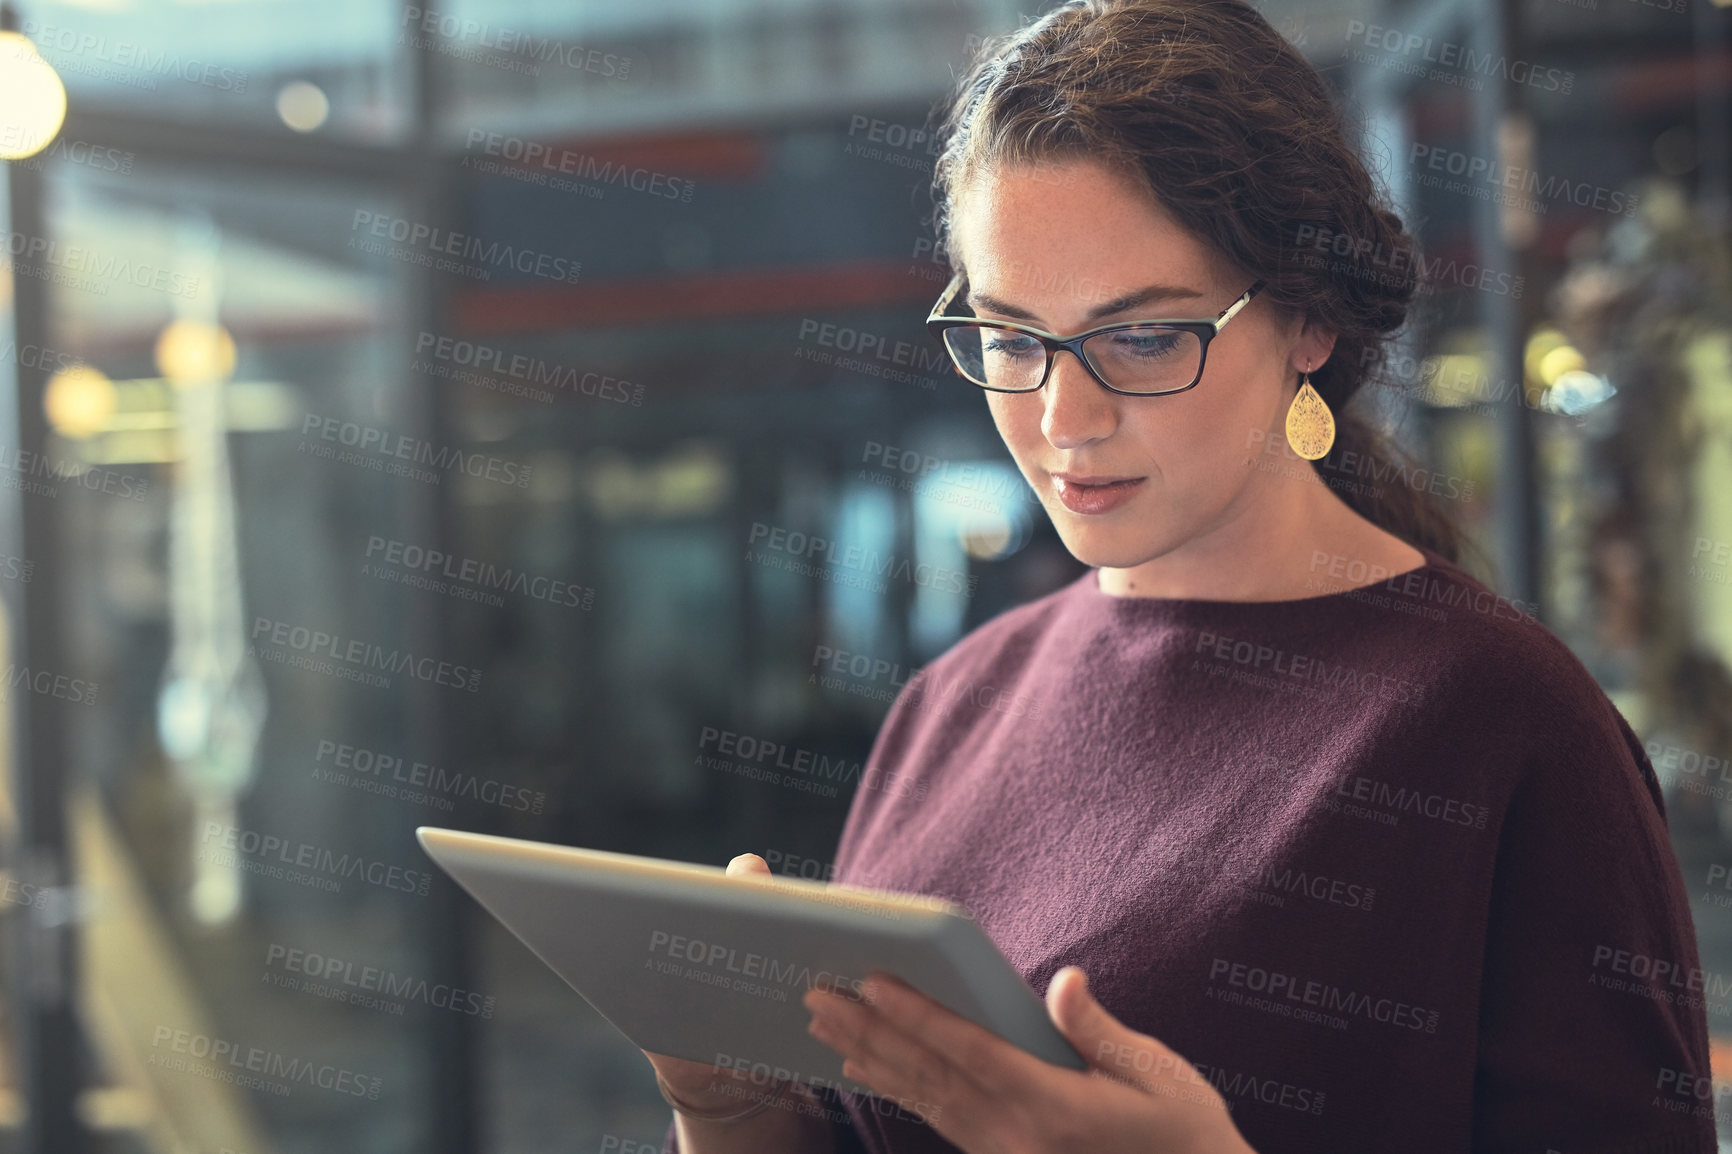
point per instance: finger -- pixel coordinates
(898, 1066)
(900, 1071)
(748, 863)
(887, 1058)
(691, 1080)
(682, 1072)
(898, 1058)
(1107, 1044)
(1098, 1036)
(995, 1065)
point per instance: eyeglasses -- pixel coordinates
(1136, 358)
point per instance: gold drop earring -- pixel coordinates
(1310, 424)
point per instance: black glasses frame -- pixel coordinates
(1205, 331)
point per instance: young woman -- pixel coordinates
(1354, 854)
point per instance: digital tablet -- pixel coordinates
(685, 960)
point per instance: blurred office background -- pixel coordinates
(512, 345)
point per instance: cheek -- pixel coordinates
(1018, 420)
(1189, 436)
(1215, 428)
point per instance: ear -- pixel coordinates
(1311, 348)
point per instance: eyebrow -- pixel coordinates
(1119, 304)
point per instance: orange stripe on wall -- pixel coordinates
(724, 157)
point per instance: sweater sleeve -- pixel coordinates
(885, 774)
(1593, 1036)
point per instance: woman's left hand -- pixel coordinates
(990, 1097)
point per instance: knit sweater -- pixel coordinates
(1384, 863)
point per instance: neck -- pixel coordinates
(1296, 541)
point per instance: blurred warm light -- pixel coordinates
(1454, 380)
(1540, 345)
(1515, 145)
(193, 353)
(986, 536)
(32, 99)
(80, 401)
(1561, 360)
(691, 483)
(303, 105)
(694, 480)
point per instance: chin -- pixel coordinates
(1107, 547)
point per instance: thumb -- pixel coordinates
(749, 863)
(1098, 1036)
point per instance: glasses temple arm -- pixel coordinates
(1228, 313)
(945, 300)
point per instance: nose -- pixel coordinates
(1077, 409)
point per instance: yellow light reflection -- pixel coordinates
(1454, 380)
(32, 99)
(1561, 360)
(193, 353)
(1539, 346)
(79, 401)
(303, 106)
(987, 536)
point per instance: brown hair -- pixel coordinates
(1234, 133)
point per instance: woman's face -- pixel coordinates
(1071, 246)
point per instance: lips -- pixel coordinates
(1094, 494)
(1089, 479)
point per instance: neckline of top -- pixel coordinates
(1092, 591)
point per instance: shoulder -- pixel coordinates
(1506, 669)
(1498, 644)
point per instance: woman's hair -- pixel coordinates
(1234, 133)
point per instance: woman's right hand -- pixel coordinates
(695, 1083)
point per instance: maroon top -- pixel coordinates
(1385, 864)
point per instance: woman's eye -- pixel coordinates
(1005, 345)
(1145, 344)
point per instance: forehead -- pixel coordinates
(1024, 226)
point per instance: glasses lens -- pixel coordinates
(997, 358)
(1145, 359)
